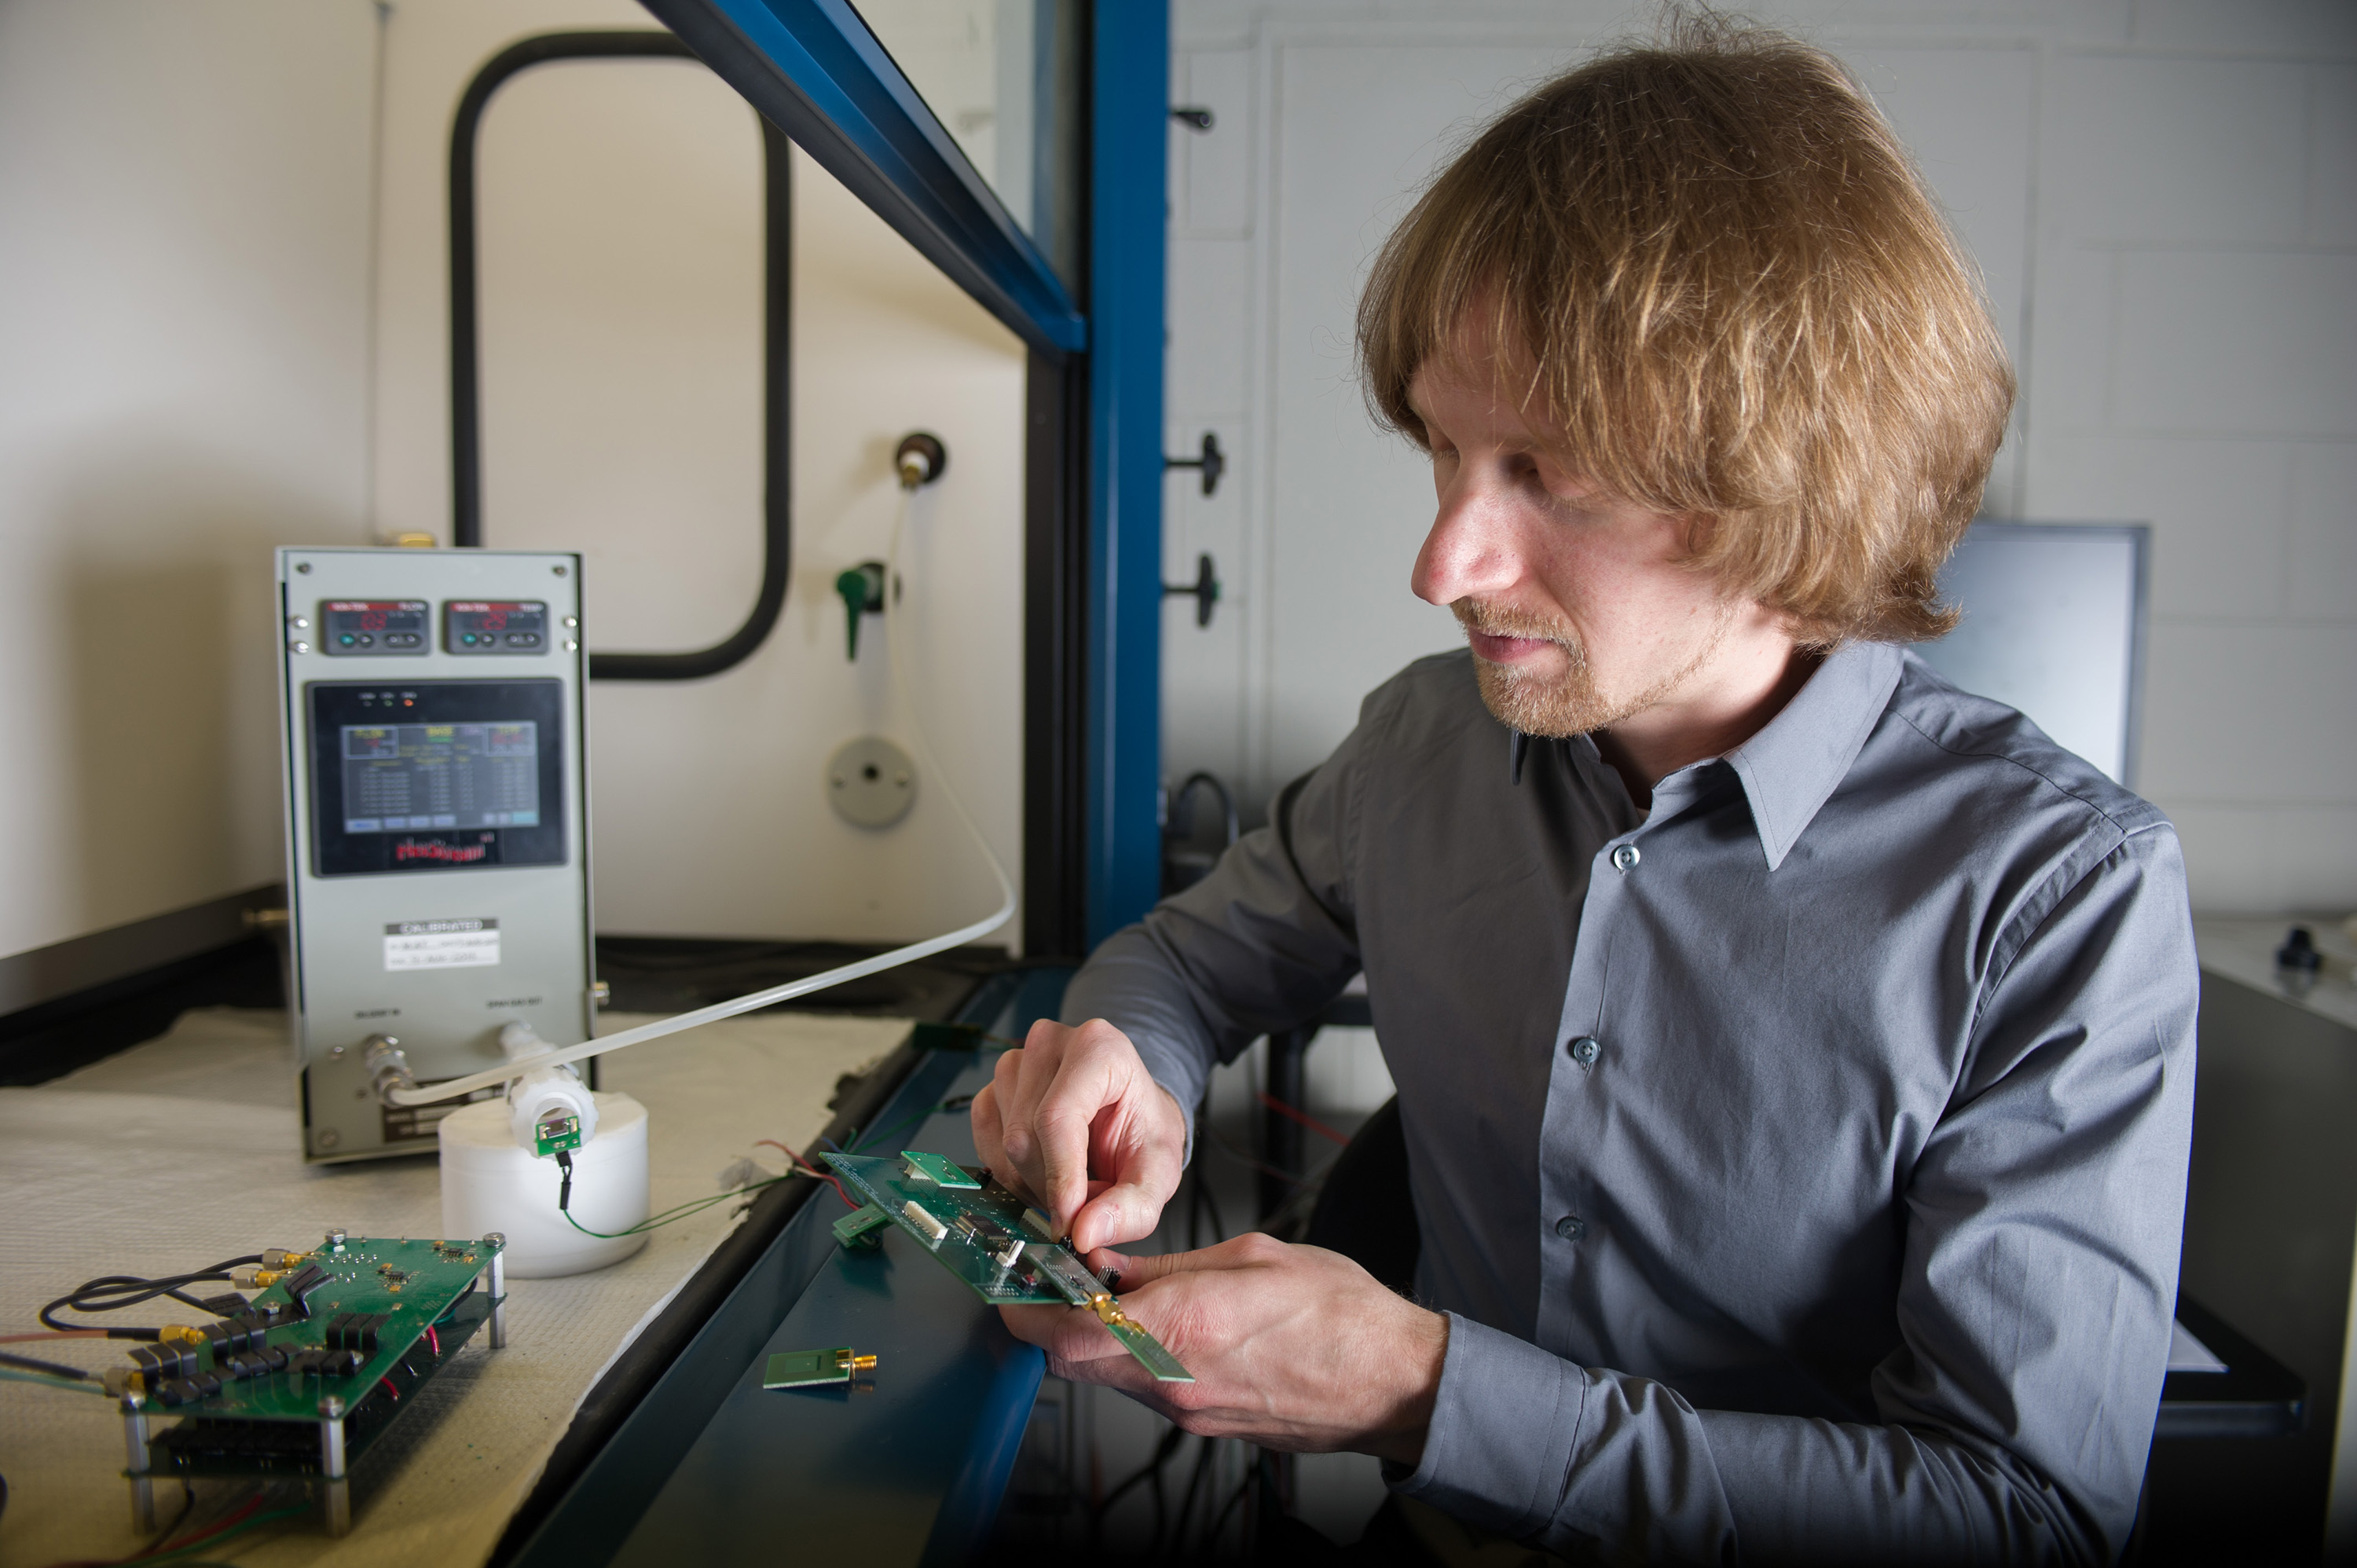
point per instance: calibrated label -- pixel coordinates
(441, 944)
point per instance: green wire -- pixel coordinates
(69, 1384)
(697, 1205)
(869, 1142)
(680, 1211)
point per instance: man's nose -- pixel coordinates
(1474, 549)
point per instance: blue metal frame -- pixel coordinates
(813, 68)
(712, 1468)
(1128, 196)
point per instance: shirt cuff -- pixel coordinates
(1504, 1424)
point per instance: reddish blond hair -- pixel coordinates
(1734, 300)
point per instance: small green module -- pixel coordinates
(813, 1368)
(939, 1171)
(557, 1134)
(859, 1227)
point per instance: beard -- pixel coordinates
(1559, 707)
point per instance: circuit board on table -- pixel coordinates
(987, 1236)
(363, 1321)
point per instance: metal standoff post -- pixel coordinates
(336, 1487)
(497, 1285)
(134, 1445)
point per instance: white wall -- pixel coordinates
(223, 329)
(184, 259)
(621, 305)
(2163, 198)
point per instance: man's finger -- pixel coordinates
(1071, 1335)
(1127, 1211)
(1248, 1250)
(985, 1116)
(1064, 1119)
(1006, 1096)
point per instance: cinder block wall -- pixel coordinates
(2163, 198)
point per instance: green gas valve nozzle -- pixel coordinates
(861, 587)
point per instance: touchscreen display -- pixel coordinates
(402, 777)
(437, 775)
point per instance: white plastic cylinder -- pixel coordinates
(489, 1183)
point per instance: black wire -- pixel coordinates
(187, 1506)
(1152, 1467)
(1187, 1508)
(54, 1368)
(460, 1302)
(564, 1188)
(113, 1293)
(1221, 1522)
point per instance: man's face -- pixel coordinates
(1577, 611)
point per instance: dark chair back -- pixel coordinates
(1365, 1211)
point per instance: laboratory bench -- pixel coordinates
(624, 1399)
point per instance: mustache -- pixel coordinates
(1505, 620)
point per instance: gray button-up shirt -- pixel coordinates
(1801, 1160)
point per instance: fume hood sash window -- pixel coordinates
(814, 69)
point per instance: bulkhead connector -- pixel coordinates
(387, 1067)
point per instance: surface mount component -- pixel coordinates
(858, 1229)
(939, 1171)
(976, 1232)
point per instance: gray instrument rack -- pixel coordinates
(432, 723)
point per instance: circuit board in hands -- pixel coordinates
(987, 1237)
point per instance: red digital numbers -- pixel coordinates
(372, 620)
(495, 620)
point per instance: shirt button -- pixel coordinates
(1586, 1049)
(1625, 858)
(1571, 1227)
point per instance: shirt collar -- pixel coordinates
(1796, 761)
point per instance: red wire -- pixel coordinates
(433, 1340)
(386, 1384)
(252, 1507)
(807, 1168)
(1315, 1125)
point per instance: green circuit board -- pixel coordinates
(341, 1320)
(985, 1236)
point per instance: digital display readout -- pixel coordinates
(399, 778)
(353, 628)
(438, 776)
(480, 626)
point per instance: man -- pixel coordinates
(1794, 1054)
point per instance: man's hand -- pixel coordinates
(1075, 1120)
(1292, 1348)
